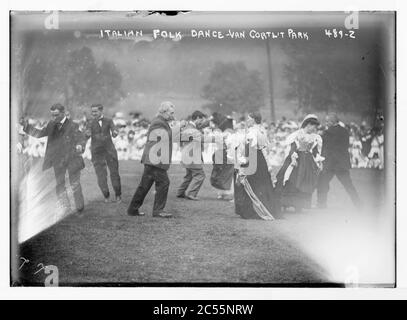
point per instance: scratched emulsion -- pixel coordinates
(38, 207)
(37, 203)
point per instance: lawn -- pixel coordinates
(205, 242)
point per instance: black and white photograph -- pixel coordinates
(203, 149)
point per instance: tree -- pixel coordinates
(108, 84)
(232, 87)
(326, 75)
(53, 72)
(89, 83)
(306, 75)
(82, 77)
(28, 72)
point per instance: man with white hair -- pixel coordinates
(156, 159)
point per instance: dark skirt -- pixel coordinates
(298, 189)
(262, 186)
(222, 174)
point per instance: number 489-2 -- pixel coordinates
(339, 34)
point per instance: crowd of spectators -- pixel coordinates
(366, 144)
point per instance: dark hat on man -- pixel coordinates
(221, 121)
(227, 123)
(197, 114)
(256, 116)
(217, 118)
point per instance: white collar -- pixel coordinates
(63, 120)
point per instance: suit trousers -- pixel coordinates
(151, 174)
(75, 183)
(102, 159)
(193, 179)
(343, 176)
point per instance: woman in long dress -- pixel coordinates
(297, 178)
(254, 192)
(222, 172)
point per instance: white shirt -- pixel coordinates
(100, 121)
(61, 123)
(63, 120)
(257, 136)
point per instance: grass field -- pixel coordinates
(205, 242)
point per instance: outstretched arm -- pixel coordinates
(80, 138)
(34, 132)
(176, 130)
(113, 129)
(87, 133)
(316, 152)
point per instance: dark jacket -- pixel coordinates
(61, 144)
(158, 132)
(192, 139)
(335, 148)
(101, 136)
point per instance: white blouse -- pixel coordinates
(257, 137)
(305, 141)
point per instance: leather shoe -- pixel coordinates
(192, 198)
(162, 215)
(135, 214)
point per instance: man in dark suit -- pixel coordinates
(63, 153)
(156, 159)
(335, 147)
(104, 154)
